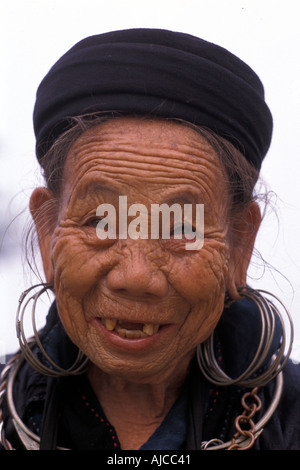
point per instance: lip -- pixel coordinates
(138, 344)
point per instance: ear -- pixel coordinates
(43, 209)
(243, 235)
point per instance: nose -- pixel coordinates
(137, 275)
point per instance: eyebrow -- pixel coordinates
(184, 196)
(90, 189)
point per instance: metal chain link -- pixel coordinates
(244, 424)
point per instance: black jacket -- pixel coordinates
(78, 422)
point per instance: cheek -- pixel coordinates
(201, 275)
(76, 262)
(76, 270)
(201, 280)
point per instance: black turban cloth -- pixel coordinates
(156, 73)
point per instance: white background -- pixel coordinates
(264, 33)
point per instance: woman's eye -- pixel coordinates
(180, 229)
(104, 227)
(93, 222)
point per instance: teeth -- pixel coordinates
(149, 329)
(130, 334)
(109, 323)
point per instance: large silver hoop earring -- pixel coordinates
(26, 346)
(250, 377)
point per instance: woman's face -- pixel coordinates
(139, 307)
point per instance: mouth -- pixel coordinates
(130, 330)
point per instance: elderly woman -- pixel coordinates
(151, 144)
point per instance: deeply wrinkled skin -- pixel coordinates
(144, 281)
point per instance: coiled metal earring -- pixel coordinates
(250, 377)
(26, 346)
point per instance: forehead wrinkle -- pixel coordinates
(127, 151)
(123, 156)
(187, 146)
(114, 165)
(134, 159)
(185, 188)
(168, 188)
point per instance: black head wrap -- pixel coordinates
(156, 73)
